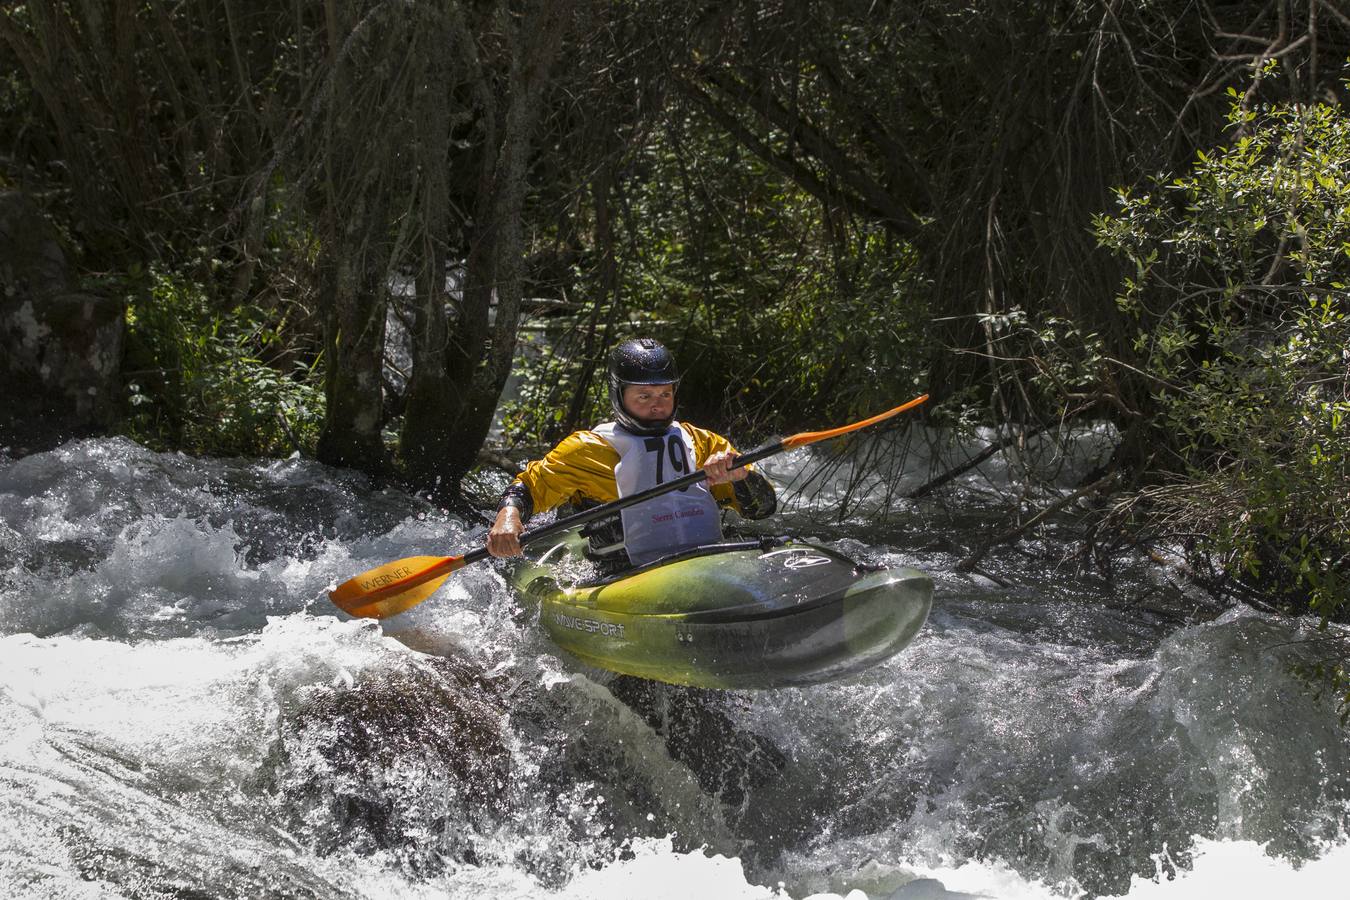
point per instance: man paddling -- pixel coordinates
(644, 446)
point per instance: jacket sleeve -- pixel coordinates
(580, 467)
(753, 497)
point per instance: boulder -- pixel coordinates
(416, 762)
(60, 348)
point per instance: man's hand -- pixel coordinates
(718, 466)
(504, 535)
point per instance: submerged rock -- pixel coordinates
(930, 889)
(415, 761)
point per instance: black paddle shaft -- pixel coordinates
(599, 512)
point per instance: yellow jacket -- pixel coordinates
(581, 467)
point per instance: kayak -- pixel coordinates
(749, 614)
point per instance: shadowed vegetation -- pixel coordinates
(349, 211)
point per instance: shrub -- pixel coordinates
(1239, 288)
(199, 379)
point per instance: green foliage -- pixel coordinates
(830, 329)
(1239, 273)
(208, 382)
(1047, 362)
(547, 373)
(783, 314)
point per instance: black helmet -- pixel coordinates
(640, 361)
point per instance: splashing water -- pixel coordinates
(183, 714)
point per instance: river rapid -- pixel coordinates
(183, 714)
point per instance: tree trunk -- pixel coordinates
(353, 277)
(354, 346)
(608, 299)
(427, 435)
(477, 360)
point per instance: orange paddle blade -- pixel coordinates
(394, 604)
(405, 578)
(810, 437)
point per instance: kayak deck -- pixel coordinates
(746, 615)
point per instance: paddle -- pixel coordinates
(394, 587)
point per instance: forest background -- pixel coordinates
(340, 227)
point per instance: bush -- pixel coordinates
(1239, 287)
(199, 380)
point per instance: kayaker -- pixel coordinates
(644, 446)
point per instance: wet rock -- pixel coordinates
(929, 889)
(414, 761)
(60, 349)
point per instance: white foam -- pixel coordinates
(658, 873)
(184, 703)
(1011, 730)
(1239, 870)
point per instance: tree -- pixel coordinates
(458, 374)
(987, 135)
(1238, 288)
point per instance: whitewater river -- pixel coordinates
(183, 715)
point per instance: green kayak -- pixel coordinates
(756, 614)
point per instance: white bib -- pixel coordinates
(675, 521)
